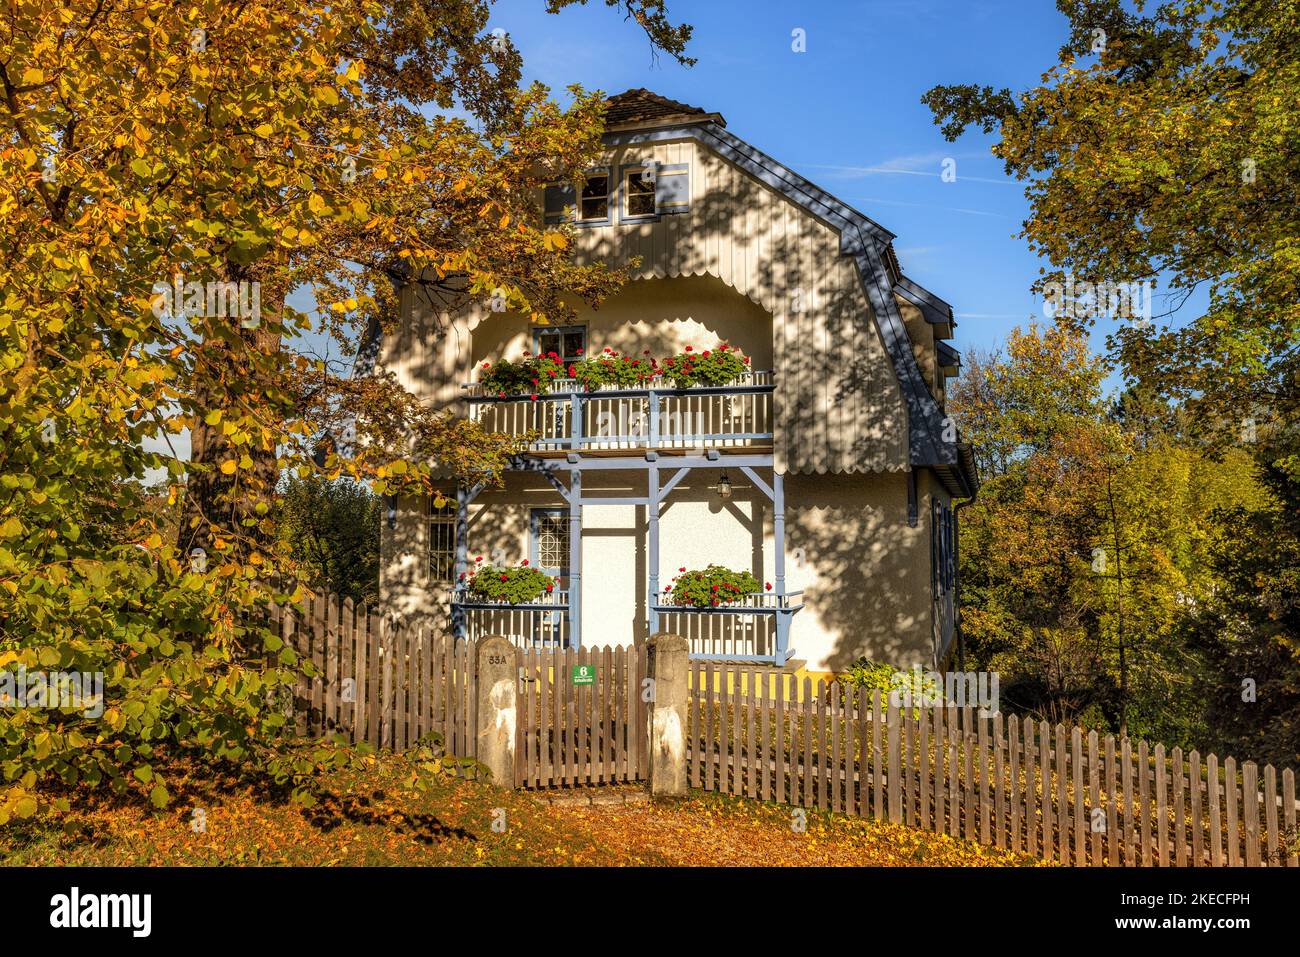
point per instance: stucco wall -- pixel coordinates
(663, 316)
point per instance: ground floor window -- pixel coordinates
(549, 549)
(442, 541)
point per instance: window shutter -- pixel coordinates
(673, 189)
(558, 197)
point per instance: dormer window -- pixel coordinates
(594, 203)
(641, 192)
(649, 190)
(638, 192)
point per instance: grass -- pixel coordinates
(370, 819)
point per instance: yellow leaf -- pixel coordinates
(228, 467)
(33, 74)
(265, 130)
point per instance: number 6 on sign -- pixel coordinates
(584, 674)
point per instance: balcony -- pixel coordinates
(755, 628)
(567, 418)
(542, 623)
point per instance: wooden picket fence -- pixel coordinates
(385, 685)
(392, 686)
(1062, 794)
(573, 733)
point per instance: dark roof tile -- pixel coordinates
(641, 107)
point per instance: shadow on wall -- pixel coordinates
(863, 567)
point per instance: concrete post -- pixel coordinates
(495, 685)
(669, 660)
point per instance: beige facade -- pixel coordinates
(743, 263)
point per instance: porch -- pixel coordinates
(633, 583)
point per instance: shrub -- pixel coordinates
(712, 586)
(865, 673)
(527, 376)
(910, 685)
(512, 586)
(611, 368)
(720, 365)
(332, 529)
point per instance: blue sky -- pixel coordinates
(846, 114)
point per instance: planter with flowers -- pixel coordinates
(721, 365)
(516, 585)
(609, 369)
(712, 587)
(527, 376)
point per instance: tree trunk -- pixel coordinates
(226, 374)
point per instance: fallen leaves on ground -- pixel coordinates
(714, 830)
(370, 819)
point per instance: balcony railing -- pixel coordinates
(541, 623)
(756, 627)
(566, 417)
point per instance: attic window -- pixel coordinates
(594, 205)
(639, 190)
(652, 189)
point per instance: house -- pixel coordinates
(828, 468)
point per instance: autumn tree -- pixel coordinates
(332, 529)
(1160, 145)
(169, 176)
(1092, 540)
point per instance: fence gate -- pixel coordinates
(582, 717)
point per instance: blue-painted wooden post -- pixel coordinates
(652, 534)
(575, 557)
(575, 421)
(778, 529)
(458, 628)
(653, 408)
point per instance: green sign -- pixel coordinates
(584, 674)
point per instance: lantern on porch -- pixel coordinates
(723, 487)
